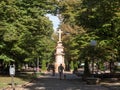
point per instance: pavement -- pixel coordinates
(70, 82)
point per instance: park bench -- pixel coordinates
(92, 80)
(107, 75)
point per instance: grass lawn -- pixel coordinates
(19, 79)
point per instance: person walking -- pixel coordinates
(53, 70)
(60, 70)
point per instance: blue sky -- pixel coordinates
(55, 20)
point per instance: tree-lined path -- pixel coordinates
(72, 82)
(56, 84)
(49, 82)
(28, 41)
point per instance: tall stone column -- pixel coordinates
(59, 54)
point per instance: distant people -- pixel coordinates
(75, 70)
(60, 70)
(49, 67)
(53, 69)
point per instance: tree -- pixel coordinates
(91, 19)
(23, 26)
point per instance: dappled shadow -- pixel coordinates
(24, 76)
(56, 84)
(49, 83)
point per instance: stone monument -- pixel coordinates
(59, 54)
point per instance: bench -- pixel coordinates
(92, 80)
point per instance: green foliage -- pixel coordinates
(71, 65)
(6, 59)
(23, 29)
(87, 20)
(44, 65)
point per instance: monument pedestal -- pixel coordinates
(59, 56)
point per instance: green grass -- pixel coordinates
(19, 79)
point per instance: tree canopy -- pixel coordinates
(25, 31)
(87, 20)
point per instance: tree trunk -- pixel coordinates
(111, 64)
(86, 69)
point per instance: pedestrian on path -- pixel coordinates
(60, 70)
(53, 70)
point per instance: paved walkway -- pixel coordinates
(49, 82)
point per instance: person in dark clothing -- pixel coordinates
(60, 70)
(53, 70)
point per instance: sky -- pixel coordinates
(55, 20)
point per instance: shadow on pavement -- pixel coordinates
(52, 83)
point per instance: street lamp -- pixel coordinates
(93, 43)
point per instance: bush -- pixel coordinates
(71, 65)
(44, 68)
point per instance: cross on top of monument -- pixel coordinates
(59, 34)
